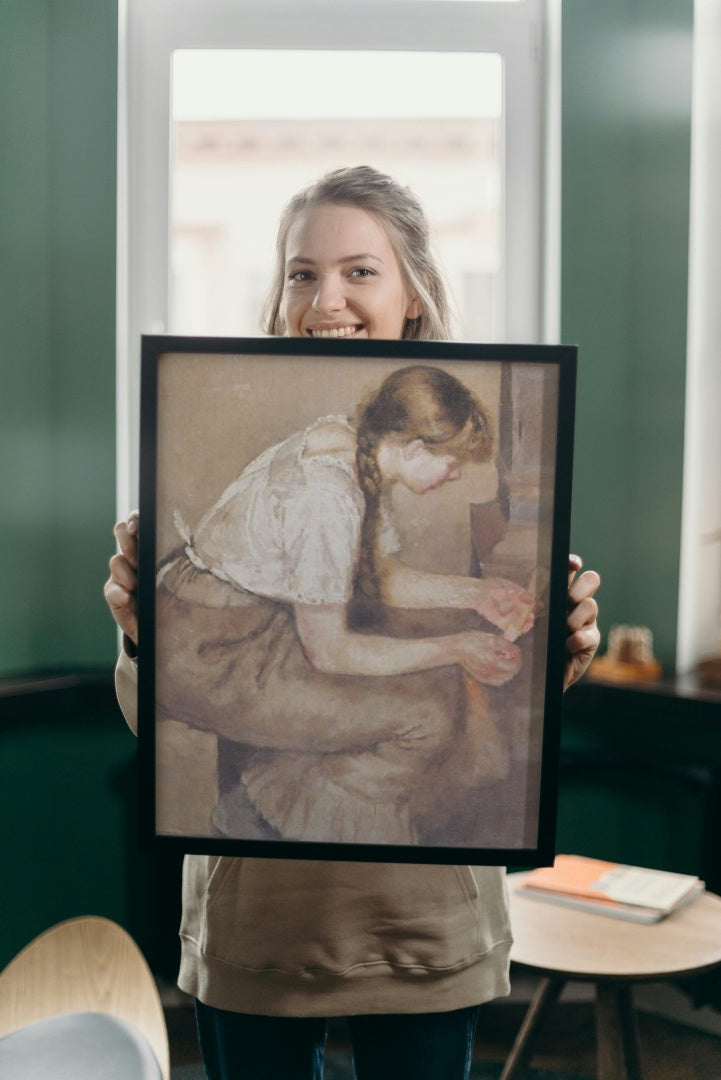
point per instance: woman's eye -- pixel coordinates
(362, 272)
(300, 276)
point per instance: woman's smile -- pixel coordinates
(335, 331)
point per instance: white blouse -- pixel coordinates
(289, 527)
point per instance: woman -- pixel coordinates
(272, 948)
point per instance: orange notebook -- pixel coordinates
(631, 892)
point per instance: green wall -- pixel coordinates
(58, 75)
(67, 772)
(626, 145)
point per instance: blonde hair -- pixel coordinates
(417, 402)
(402, 216)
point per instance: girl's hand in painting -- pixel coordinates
(583, 635)
(121, 587)
(506, 605)
(488, 658)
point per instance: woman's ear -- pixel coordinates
(415, 309)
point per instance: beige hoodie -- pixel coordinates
(286, 937)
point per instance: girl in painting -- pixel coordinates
(305, 662)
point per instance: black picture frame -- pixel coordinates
(210, 406)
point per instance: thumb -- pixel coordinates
(575, 563)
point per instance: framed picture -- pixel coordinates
(352, 597)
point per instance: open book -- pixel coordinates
(608, 888)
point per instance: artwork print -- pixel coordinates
(353, 573)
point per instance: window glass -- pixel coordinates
(251, 127)
(226, 108)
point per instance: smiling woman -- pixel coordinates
(353, 259)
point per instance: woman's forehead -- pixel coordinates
(337, 231)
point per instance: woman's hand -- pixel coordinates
(121, 587)
(583, 636)
(488, 658)
(506, 605)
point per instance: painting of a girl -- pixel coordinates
(291, 627)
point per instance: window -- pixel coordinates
(235, 161)
(227, 107)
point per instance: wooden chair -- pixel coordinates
(87, 967)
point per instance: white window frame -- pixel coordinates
(699, 596)
(526, 34)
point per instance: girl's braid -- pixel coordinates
(367, 580)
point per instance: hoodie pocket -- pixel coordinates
(299, 916)
(204, 877)
(468, 884)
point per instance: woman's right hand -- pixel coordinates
(121, 587)
(488, 658)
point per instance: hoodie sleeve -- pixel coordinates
(126, 688)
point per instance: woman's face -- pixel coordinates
(342, 277)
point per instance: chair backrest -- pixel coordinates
(88, 964)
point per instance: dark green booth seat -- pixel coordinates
(68, 803)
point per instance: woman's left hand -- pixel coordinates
(583, 636)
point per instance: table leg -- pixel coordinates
(545, 997)
(617, 1033)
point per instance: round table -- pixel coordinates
(562, 944)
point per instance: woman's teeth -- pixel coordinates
(337, 331)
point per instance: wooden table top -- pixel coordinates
(559, 940)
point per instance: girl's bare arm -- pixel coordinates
(505, 604)
(502, 603)
(333, 648)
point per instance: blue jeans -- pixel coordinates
(415, 1046)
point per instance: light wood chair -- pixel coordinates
(85, 965)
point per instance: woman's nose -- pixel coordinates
(329, 296)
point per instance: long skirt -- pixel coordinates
(328, 758)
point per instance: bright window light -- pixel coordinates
(221, 84)
(238, 155)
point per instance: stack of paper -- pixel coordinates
(624, 892)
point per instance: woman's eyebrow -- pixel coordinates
(361, 257)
